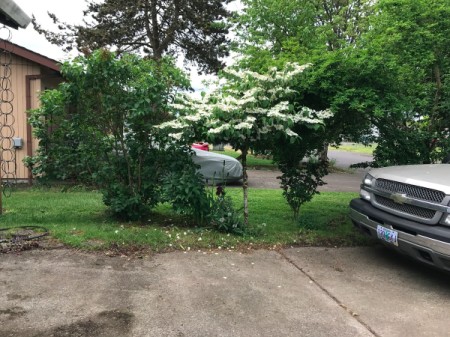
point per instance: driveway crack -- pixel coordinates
(351, 312)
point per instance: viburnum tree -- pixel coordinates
(247, 110)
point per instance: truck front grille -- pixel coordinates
(415, 192)
(405, 208)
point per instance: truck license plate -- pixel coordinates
(387, 235)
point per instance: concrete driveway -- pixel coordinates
(293, 292)
(368, 291)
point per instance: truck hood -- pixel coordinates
(433, 176)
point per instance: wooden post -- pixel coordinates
(1, 195)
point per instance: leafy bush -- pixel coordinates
(300, 183)
(300, 179)
(185, 190)
(99, 127)
(223, 215)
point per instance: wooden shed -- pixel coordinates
(31, 73)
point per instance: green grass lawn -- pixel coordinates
(260, 162)
(252, 161)
(79, 219)
(356, 147)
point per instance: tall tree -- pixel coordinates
(304, 28)
(323, 32)
(411, 40)
(383, 62)
(196, 28)
(251, 111)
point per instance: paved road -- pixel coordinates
(347, 181)
(344, 159)
(294, 292)
(335, 182)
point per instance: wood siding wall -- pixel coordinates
(20, 69)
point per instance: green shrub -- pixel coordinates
(223, 216)
(185, 190)
(99, 128)
(300, 183)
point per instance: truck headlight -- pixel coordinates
(364, 195)
(368, 180)
(447, 220)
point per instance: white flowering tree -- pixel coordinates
(247, 110)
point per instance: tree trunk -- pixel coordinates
(438, 94)
(245, 184)
(323, 155)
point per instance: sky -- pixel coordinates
(70, 11)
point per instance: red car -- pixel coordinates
(201, 146)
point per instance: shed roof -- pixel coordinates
(30, 55)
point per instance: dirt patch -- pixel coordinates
(15, 247)
(130, 251)
(13, 313)
(22, 238)
(104, 324)
(16, 297)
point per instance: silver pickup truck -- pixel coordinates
(408, 208)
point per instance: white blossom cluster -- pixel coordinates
(224, 126)
(254, 111)
(175, 124)
(177, 106)
(296, 68)
(193, 118)
(276, 111)
(291, 133)
(243, 125)
(176, 136)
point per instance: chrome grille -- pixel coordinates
(415, 192)
(405, 208)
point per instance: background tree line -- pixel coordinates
(381, 64)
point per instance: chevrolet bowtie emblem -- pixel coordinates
(399, 198)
